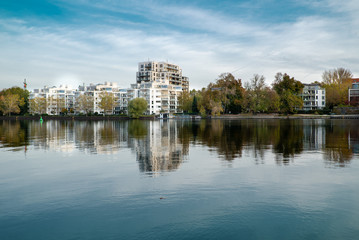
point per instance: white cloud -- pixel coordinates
(204, 43)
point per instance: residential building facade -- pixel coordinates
(57, 98)
(151, 71)
(353, 93)
(313, 96)
(159, 83)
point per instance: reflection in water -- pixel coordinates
(161, 150)
(341, 142)
(164, 145)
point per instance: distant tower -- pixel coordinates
(25, 84)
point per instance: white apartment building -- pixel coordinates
(161, 96)
(160, 83)
(313, 97)
(95, 92)
(157, 71)
(57, 98)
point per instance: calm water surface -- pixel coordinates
(240, 179)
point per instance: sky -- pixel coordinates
(75, 42)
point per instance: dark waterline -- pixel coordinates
(217, 179)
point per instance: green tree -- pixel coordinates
(10, 103)
(336, 83)
(137, 107)
(185, 102)
(84, 103)
(195, 104)
(37, 105)
(272, 100)
(288, 90)
(256, 91)
(108, 102)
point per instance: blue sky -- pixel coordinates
(73, 42)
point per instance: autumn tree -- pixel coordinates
(288, 90)
(10, 103)
(223, 96)
(137, 107)
(336, 83)
(107, 102)
(23, 96)
(84, 103)
(37, 105)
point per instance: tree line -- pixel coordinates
(227, 95)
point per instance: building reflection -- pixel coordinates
(164, 145)
(157, 147)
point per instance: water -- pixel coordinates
(238, 179)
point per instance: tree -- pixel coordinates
(231, 92)
(272, 100)
(84, 103)
(288, 90)
(185, 102)
(256, 91)
(10, 103)
(336, 83)
(37, 105)
(107, 103)
(137, 107)
(23, 96)
(195, 104)
(225, 95)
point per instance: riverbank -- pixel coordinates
(279, 116)
(224, 116)
(70, 118)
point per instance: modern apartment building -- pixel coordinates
(159, 83)
(56, 98)
(161, 71)
(161, 97)
(313, 97)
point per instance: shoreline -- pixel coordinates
(224, 117)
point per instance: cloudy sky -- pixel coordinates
(53, 42)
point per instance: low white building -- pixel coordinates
(313, 97)
(57, 98)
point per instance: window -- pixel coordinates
(323, 97)
(316, 97)
(323, 103)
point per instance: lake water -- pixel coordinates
(216, 179)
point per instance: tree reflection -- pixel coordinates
(137, 129)
(288, 140)
(164, 145)
(338, 151)
(13, 134)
